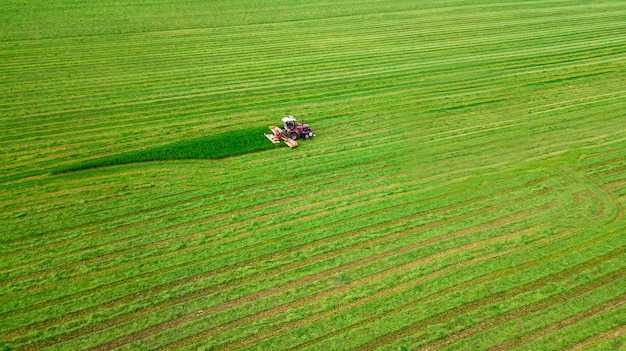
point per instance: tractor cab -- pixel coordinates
(289, 122)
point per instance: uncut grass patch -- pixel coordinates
(214, 147)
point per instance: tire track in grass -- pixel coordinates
(615, 185)
(311, 278)
(125, 228)
(263, 275)
(619, 170)
(249, 340)
(532, 335)
(256, 338)
(486, 324)
(422, 280)
(409, 182)
(370, 189)
(612, 333)
(492, 322)
(211, 289)
(499, 297)
(157, 244)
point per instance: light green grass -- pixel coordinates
(465, 189)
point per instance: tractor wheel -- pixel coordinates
(293, 136)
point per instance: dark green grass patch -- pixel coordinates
(233, 143)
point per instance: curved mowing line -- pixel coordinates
(431, 320)
(494, 322)
(292, 266)
(411, 283)
(532, 335)
(598, 338)
(499, 297)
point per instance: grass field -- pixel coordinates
(465, 190)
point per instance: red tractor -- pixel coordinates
(297, 130)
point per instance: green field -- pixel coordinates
(465, 190)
